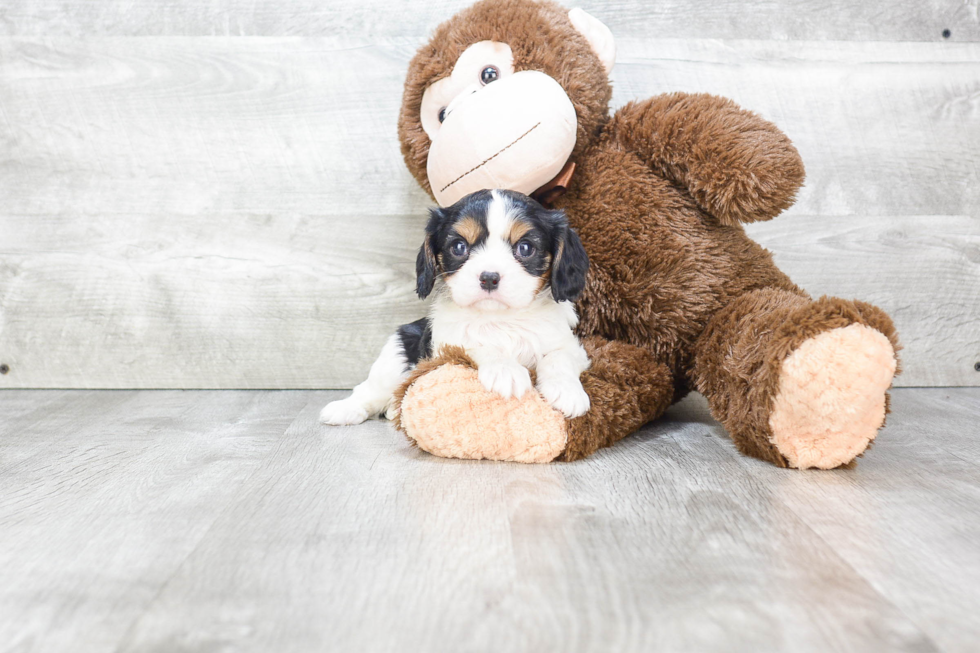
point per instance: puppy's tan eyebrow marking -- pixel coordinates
(546, 277)
(518, 229)
(470, 229)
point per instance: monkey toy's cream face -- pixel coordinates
(492, 126)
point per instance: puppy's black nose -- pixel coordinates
(489, 280)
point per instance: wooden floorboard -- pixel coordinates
(871, 20)
(150, 304)
(104, 497)
(907, 518)
(204, 521)
(182, 211)
(260, 126)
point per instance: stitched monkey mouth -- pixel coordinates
(490, 158)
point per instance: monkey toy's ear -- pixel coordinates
(569, 265)
(597, 34)
(426, 265)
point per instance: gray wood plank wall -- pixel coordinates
(212, 195)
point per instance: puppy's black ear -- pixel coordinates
(569, 264)
(426, 265)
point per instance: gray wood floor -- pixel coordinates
(213, 521)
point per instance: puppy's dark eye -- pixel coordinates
(442, 114)
(489, 74)
(459, 248)
(525, 249)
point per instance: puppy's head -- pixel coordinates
(498, 249)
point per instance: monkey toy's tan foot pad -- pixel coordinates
(831, 398)
(445, 410)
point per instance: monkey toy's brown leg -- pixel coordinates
(796, 382)
(627, 388)
(445, 410)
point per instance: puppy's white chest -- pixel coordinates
(510, 339)
(524, 336)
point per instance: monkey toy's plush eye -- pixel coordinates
(458, 248)
(489, 74)
(442, 114)
(525, 249)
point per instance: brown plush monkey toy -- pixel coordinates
(515, 94)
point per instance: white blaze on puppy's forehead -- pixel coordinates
(495, 253)
(499, 216)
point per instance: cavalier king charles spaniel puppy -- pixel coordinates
(505, 272)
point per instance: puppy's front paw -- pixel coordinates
(508, 379)
(344, 412)
(568, 396)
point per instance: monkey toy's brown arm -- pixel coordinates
(737, 166)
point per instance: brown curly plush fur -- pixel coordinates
(628, 388)
(659, 195)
